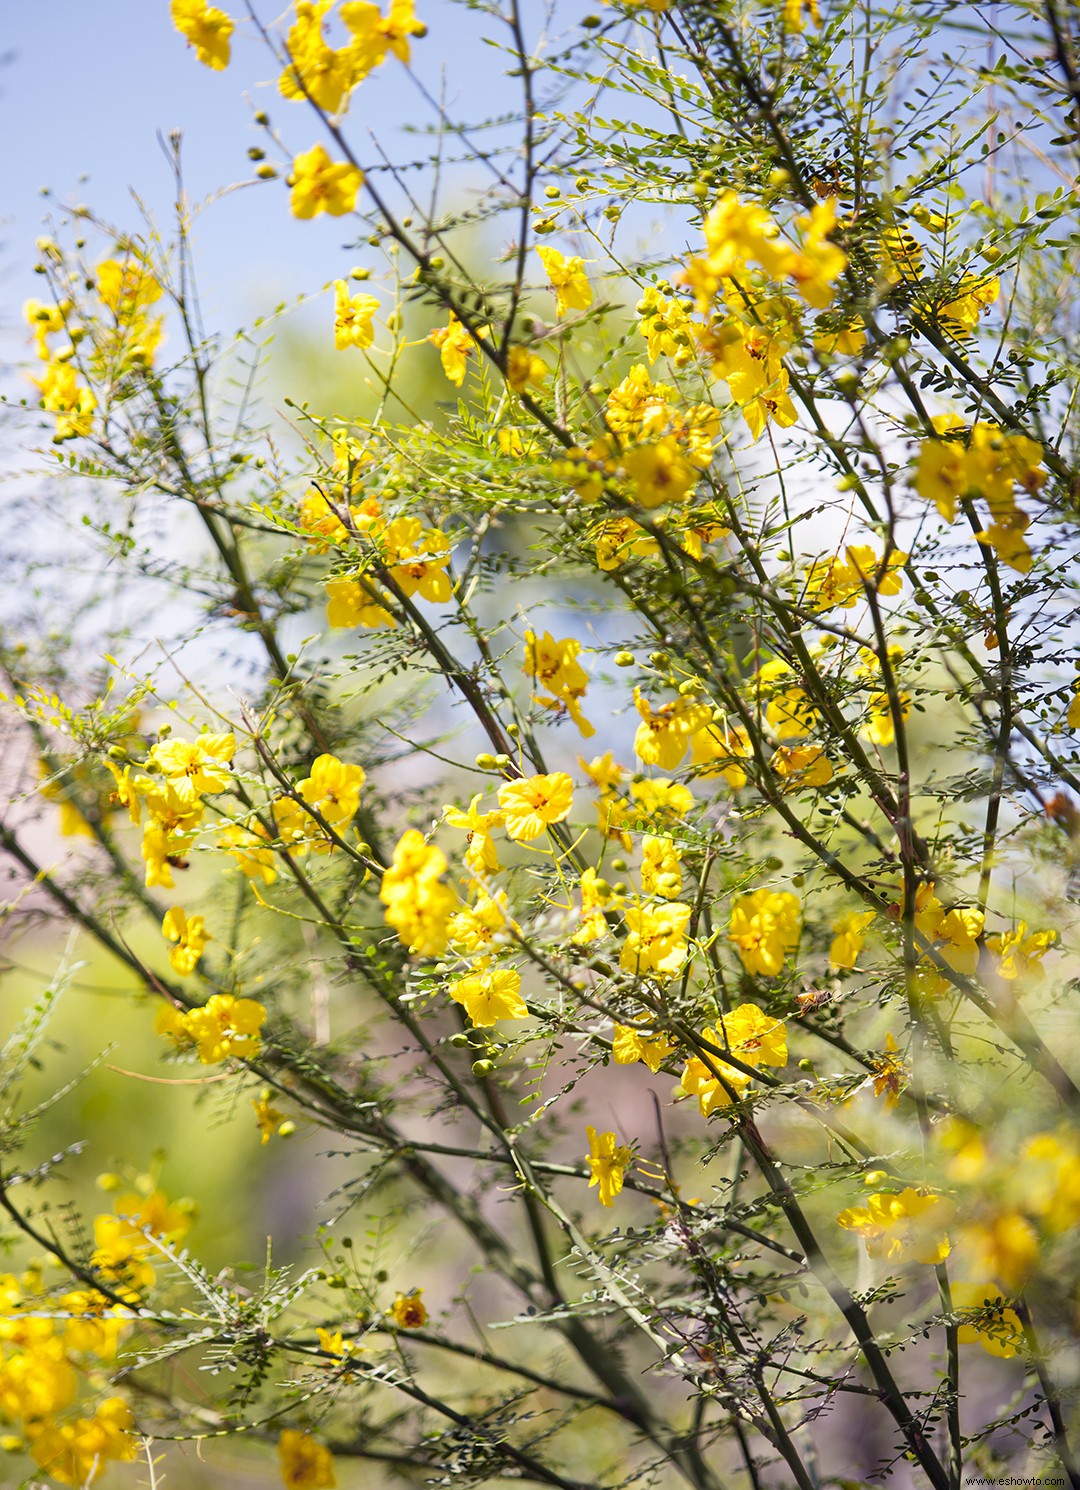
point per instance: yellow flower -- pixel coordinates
(621, 538)
(802, 766)
(352, 602)
(316, 70)
(1051, 1170)
(195, 766)
(408, 1312)
(332, 788)
(663, 736)
(455, 345)
(416, 558)
(820, 261)
(305, 1463)
(418, 905)
(489, 995)
(764, 928)
(793, 14)
(1021, 952)
(322, 185)
(717, 749)
(353, 316)
(902, 1227)
(974, 294)
(736, 233)
(568, 279)
(75, 1452)
(607, 1162)
(375, 34)
(535, 803)
(553, 665)
(1004, 1246)
(250, 848)
(267, 1118)
(332, 1342)
(62, 395)
(659, 473)
(849, 934)
(189, 933)
(902, 256)
(482, 856)
(989, 1321)
(597, 897)
(661, 867)
(207, 29)
(483, 926)
(841, 582)
(655, 940)
(665, 326)
(524, 367)
(750, 1036)
(222, 1027)
(630, 1044)
(788, 710)
(848, 340)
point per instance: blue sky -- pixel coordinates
(86, 89)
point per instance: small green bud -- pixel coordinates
(624, 659)
(459, 1040)
(486, 761)
(483, 1068)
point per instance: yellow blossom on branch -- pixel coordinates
(751, 1037)
(568, 279)
(322, 185)
(375, 34)
(408, 1312)
(306, 1464)
(663, 736)
(353, 316)
(195, 766)
(631, 1043)
(488, 995)
(532, 805)
(904, 1226)
(607, 1161)
(206, 28)
(316, 70)
(764, 927)
(849, 935)
(524, 367)
(655, 939)
(987, 1319)
(221, 1028)
(659, 473)
(190, 935)
(554, 667)
(418, 904)
(455, 344)
(74, 1452)
(482, 855)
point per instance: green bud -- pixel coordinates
(624, 659)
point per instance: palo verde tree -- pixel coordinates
(624, 807)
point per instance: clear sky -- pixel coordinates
(85, 89)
